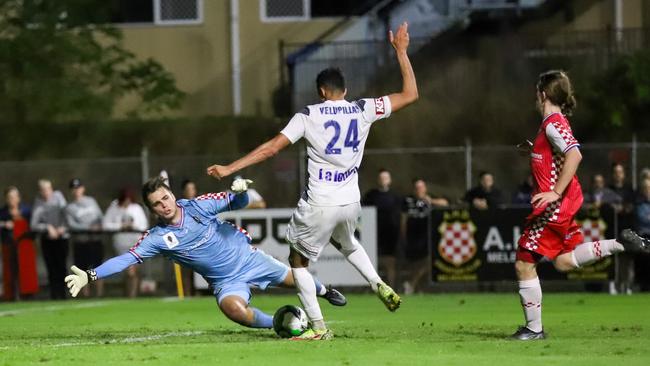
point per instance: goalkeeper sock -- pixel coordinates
(261, 319)
(590, 252)
(307, 295)
(320, 289)
(359, 259)
(530, 293)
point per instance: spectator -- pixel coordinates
(485, 195)
(645, 174)
(255, 199)
(388, 204)
(12, 212)
(642, 215)
(625, 217)
(626, 192)
(189, 189)
(643, 209)
(416, 230)
(48, 219)
(599, 195)
(84, 216)
(524, 193)
(128, 218)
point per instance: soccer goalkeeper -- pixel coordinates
(190, 233)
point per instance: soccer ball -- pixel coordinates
(290, 321)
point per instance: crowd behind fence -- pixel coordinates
(448, 171)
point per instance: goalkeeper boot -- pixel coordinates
(334, 297)
(388, 296)
(633, 243)
(525, 334)
(314, 335)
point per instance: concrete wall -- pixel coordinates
(199, 56)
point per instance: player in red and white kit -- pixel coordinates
(551, 230)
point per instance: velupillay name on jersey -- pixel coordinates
(336, 176)
(348, 109)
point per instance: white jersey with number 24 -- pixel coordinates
(336, 133)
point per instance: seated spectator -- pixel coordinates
(129, 219)
(416, 232)
(485, 195)
(524, 193)
(599, 194)
(84, 217)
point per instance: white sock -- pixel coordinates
(307, 294)
(359, 259)
(530, 293)
(586, 253)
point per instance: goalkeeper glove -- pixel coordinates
(240, 185)
(79, 279)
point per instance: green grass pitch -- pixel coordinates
(439, 329)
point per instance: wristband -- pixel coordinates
(92, 275)
(554, 191)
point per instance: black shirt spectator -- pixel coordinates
(389, 205)
(485, 195)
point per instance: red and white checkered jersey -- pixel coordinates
(553, 141)
(336, 133)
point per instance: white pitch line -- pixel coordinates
(54, 308)
(127, 340)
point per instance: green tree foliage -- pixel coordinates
(618, 100)
(62, 60)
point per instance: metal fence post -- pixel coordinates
(468, 163)
(635, 149)
(144, 163)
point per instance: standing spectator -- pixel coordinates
(388, 204)
(485, 195)
(599, 195)
(48, 219)
(416, 230)
(84, 216)
(12, 212)
(189, 189)
(128, 218)
(642, 211)
(524, 193)
(625, 217)
(642, 215)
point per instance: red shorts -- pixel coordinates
(542, 238)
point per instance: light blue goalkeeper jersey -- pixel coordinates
(218, 250)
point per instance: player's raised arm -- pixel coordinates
(261, 153)
(409, 93)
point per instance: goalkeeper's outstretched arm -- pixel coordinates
(80, 278)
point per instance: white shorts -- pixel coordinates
(311, 227)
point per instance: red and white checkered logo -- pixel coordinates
(593, 229)
(457, 245)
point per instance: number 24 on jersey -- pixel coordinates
(351, 137)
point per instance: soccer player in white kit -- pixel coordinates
(336, 131)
